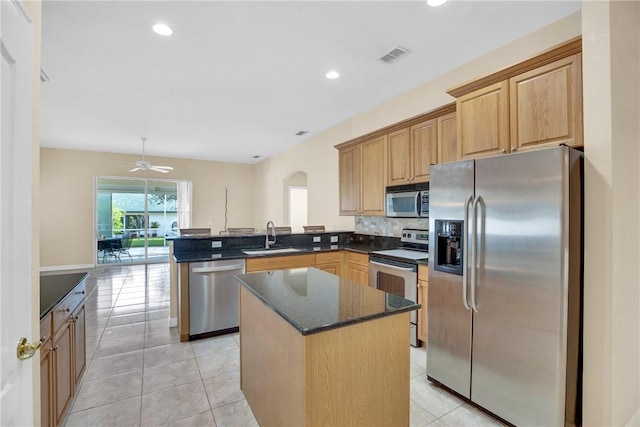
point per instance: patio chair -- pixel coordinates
(111, 247)
(125, 245)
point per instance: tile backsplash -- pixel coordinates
(391, 227)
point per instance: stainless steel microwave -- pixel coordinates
(407, 201)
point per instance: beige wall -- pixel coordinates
(319, 159)
(67, 193)
(611, 61)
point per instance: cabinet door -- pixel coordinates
(79, 343)
(63, 345)
(424, 149)
(374, 176)
(483, 121)
(546, 105)
(47, 403)
(358, 273)
(399, 157)
(447, 138)
(330, 268)
(349, 170)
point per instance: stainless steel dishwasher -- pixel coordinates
(214, 297)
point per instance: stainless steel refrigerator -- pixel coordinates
(505, 284)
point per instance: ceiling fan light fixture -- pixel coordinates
(436, 3)
(162, 29)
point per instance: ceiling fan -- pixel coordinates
(144, 165)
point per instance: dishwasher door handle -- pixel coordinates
(204, 270)
(395, 267)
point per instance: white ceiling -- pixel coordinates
(239, 78)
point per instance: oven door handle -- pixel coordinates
(391, 266)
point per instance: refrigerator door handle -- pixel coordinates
(465, 252)
(474, 252)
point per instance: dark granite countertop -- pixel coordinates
(212, 254)
(314, 301)
(54, 287)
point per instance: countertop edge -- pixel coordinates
(45, 312)
(340, 324)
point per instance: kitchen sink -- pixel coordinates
(269, 251)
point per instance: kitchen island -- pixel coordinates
(317, 349)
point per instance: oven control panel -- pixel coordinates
(412, 235)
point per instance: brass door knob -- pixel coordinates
(26, 350)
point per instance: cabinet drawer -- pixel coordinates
(423, 272)
(328, 257)
(46, 327)
(358, 258)
(68, 305)
(280, 262)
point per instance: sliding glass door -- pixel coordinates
(134, 218)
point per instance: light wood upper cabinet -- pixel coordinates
(399, 157)
(349, 164)
(363, 177)
(411, 151)
(483, 121)
(424, 149)
(447, 138)
(546, 105)
(530, 105)
(374, 165)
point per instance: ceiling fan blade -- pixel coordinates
(135, 169)
(154, 168)
(169, 168)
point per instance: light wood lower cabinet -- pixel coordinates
(62, 357)
(423, 299)
(47, 415)
(358, 268)
(79, 343)
(331, 262)
(63, 369)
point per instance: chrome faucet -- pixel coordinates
(268, 242)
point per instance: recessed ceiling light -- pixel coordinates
(332, 74)
(163, 29)
(436, 3)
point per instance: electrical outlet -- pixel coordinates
(216, 244)
(316, 239)
(334, 239)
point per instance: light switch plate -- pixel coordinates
(334, 239)
(316, 239)
(216, 244)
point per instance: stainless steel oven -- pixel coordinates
(395, 271)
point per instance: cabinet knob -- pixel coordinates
(80, 293)
(76, 317)
(55, 348)
(513, 149)
(503, 151)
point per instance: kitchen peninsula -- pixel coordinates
(317, 349)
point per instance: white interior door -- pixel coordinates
(16, 50)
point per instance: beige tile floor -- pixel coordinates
(139, 374)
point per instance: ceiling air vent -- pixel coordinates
(394, 54)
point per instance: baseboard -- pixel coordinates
(67, 267)
(173, 322)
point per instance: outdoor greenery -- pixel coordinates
(154, 224)
(152, 241)
(117, 215)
